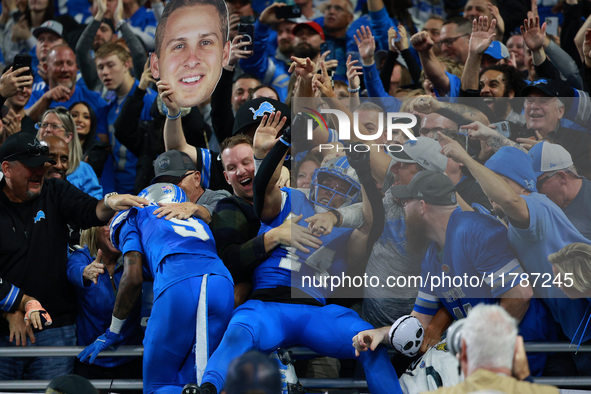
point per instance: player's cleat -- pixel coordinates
(289, 380)
(208, 388)
(190, 388)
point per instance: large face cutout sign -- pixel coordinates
(192, 47)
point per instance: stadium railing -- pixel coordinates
(341, 383)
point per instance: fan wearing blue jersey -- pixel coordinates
(537, 228)
(282, 312)
(186, 324)
(459, 244)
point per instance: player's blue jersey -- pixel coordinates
(477, 249)
(287, 266)
(173, 250)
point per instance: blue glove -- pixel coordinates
(100, 344)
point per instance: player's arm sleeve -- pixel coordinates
(240, 254)
(129, 237)
(84, 57)
(10, 296)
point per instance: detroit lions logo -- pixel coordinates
(264, 107)
(40, 215)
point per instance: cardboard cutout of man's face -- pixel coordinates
(192, 54)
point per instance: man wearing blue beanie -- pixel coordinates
(537, 228)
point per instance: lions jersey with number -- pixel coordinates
(288, 266)
(173, 250)
(476, 257)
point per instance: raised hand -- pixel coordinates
(533, 35)
(482, 35)
(146, 77)
(353, 73)
(304, 68)
(422, 41)
(265, 136)
(366, 44)
(167, 96)
(237, 52)
(92, 271)
(494, 10)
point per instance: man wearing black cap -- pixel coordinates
(459, 244)
(249, 115)
(35, 212)
(101, 31)
(544, 110)
(177, 168)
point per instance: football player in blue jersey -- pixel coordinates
(282, 311)
(185, 322)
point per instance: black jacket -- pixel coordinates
(34, 242)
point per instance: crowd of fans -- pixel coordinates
(491, 179)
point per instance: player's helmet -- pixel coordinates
(163, 192)
(346, 187)
(158, 192)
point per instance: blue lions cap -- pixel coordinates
(498, 50)
(514, 164)
(549, 157)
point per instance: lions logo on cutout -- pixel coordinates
(406, 335)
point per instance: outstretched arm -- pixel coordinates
(267, 146)
(497, 190)
(130, 288)
(481, 37)
(174, 138)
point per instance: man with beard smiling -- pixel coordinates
(59, 153)
(271, 70)
(61, 69)
(458, 244)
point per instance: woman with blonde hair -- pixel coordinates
(59, 122)
(95, 271)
